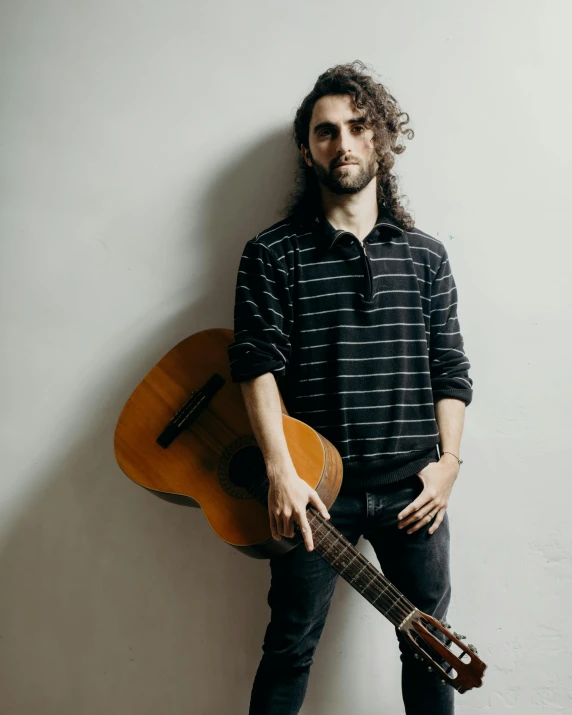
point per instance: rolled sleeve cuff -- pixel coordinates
(466, 395)
(248, 370)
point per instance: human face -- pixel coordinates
(339, 134)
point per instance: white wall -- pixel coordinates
(142, 145)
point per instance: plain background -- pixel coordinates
(142, 144)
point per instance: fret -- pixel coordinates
(357, 574)
(395, 604)
(380, 595)
(343, 553)
(373, 577)
(329, 547)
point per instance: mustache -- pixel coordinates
(351, 160)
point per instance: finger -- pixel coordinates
(319, 504)
(427, 519)
(280, 524)
(283, 525)
(286, 526)
(429, 508)
(438, 519)
(306, 531)
(415, 505)
(273, 527)
(289, 526)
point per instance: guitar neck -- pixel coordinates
(360, 573)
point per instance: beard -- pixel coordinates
(345, 181)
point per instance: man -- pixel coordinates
(351, 310)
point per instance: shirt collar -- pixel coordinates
(329, 235)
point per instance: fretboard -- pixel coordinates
(360, 573)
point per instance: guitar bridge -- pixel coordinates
(189, 412)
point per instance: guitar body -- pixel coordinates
(209, 462)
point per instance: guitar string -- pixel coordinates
(390, 596)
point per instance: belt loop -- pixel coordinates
(369, 510)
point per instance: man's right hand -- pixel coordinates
(288, 497)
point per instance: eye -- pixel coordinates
(360, 127)
(324, 131)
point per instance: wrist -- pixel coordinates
(451, 463)
(448, 457)
(280, 469)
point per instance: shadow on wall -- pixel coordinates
(116, 602)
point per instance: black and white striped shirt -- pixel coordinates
(363, 339)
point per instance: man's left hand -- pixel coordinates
(438, 479)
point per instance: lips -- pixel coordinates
(346, 163)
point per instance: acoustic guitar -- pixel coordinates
(185, 436)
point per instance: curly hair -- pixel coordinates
(384, 116)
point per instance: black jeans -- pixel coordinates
(302, 585)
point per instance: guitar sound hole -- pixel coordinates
(247, 470)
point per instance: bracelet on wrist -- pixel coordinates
(454, 455)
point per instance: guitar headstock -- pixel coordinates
(452, 661)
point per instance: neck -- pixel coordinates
(353, 566)
(356, 213)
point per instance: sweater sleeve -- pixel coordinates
(448, 363)
(263, 315)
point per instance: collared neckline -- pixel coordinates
(330, 235)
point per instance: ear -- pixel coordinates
(305, 155)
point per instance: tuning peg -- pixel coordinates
(416, 655)
(444, 623)
(429, 669)
(458, 635)
(444, 682)
(470, 646)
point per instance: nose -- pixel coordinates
(344, 143)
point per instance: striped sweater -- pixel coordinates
(363, 339)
